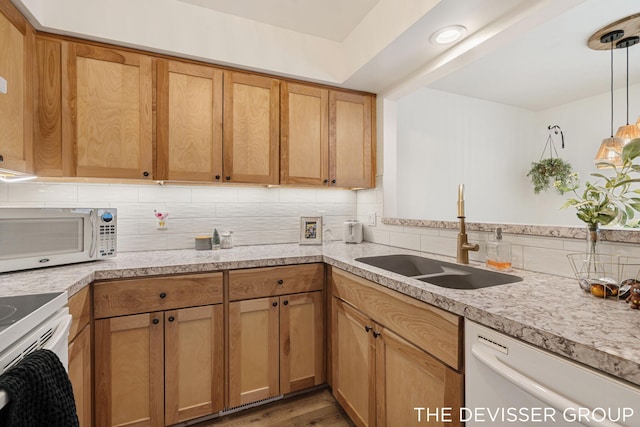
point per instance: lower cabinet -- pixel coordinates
(161, 367)
(383, 376)
(80, 364)
(276, 338)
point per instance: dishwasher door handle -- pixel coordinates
(535, 389)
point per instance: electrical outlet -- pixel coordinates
(371, 219)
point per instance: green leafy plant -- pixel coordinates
(611, 202)
(547, 171)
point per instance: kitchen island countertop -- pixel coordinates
(545, 310)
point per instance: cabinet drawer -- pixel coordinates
(272, 281)
(130, 296)
(430, 328)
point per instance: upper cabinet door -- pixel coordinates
(251, 128)
(350, 140)
(189, 122)
(111, 94)
(304, 130)
(16, 38)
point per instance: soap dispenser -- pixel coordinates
(499, 253)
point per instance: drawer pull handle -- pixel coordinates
(376, 334)
(286, 302)
(171, 318)
(280, 282)
(163, 295)
(275, 304)
(367, 328)
(155, 321)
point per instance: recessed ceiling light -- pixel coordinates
(448, 35)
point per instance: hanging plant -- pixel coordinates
(547, 171)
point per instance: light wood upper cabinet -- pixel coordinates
(352, 159)
(16, 44)
(110, 107)
(189, 126)
(251, 128)
(304, 134)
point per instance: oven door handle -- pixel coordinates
(551, 398)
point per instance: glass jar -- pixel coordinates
(226, 240)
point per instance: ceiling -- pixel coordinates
(527, 53)
(329, 19)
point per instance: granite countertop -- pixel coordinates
(545, 310)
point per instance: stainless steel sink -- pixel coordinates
(440, 273)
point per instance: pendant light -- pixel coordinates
(610, 149)
(628, 132)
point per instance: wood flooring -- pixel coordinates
(316, 408)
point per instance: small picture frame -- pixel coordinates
(310, 230)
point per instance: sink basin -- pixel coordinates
(439, 273)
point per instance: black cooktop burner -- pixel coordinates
(15, 308)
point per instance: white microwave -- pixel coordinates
(42, 237)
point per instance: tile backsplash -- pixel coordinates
(256, 215)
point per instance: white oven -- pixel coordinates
(29, 323)
(42, 237)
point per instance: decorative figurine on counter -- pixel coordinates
(634, 296)
(215, 239)
(162, 219)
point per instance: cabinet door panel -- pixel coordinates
(80, 374)
(304, 129)
(194, 365)
(253, 350)
(353, 363)
(189, 122)
(350, 139)
(409, 378)
(15, 110)
(251, 128)
(301, 341)
(130, 371)
(111, 102)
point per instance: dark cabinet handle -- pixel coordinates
(163, 295)
(275, 304)
(217, 177)
(280, 282)
(228, 178)
(1, 158)
(155, 321)
(333, 181)
(145, 173)
(376, 334)
(326, 181)
(171, 318)
(367, 328)
(286, 302)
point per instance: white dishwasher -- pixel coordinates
(512, 383)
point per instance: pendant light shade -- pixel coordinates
(628, 132)
(611, 148)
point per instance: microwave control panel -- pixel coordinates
(107, 233)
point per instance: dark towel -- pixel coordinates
(40, 393)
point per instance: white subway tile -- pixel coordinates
(438, 245)
(367, 196)
(278, 209)
(127, 227)
(105, 193)
(142, 243)
(42, 192)
(204, 226)
(236, 210)
(315, 209)
(191, 210)
(180, 241)
(164, 193)
(138, 210)
(547, 260)
(215, 194)
(257, 224)
(405, 240)
(278, 236)
(376, 236)
(298, 195)
(345, 209)
(337, 196)
(255, 195)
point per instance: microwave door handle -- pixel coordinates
(94, 232)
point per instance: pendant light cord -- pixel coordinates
(612, 87)
(627, 84)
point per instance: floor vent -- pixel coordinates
(249, 405)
